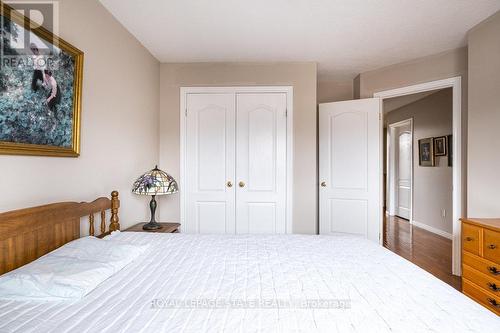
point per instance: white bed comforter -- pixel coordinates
(171, 286)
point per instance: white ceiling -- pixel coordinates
(345, 37)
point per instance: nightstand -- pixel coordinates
(168, 228)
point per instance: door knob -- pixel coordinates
(241, 184)
(323, 184)
(229, 184)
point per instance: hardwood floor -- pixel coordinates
(423, 248)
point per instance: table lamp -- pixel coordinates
(154, 182)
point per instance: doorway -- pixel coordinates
(454, 157)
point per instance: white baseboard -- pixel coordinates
(432, 229)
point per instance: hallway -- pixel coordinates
(423, 248)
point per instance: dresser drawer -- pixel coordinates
(490, 301)
(491, 245)
(470, 238)
(484, 266)
(482, 280)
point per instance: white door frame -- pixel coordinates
(392, 164)
(288, 90)
(458, 193)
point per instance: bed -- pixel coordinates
(234, 283)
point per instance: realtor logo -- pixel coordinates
(24, 44)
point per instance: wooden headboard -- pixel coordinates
(29, 233)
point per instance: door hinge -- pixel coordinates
(286, 112)
(186, 112)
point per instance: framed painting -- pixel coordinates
(440, 146)
(426, 152)
(40, 87)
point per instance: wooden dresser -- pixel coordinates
(481, 261)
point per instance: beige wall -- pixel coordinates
(484, 119)
(432, 186)
(119, 137)
(302, 76)
(431, 68)
(333, 91)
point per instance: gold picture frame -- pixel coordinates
(72, 148)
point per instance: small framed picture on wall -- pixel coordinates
(426, 152)
(440, 146)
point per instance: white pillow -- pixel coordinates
(70, 272)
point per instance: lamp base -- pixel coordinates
(151, 226)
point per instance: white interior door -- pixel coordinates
(210, 163)
(404, 162)
(350, 167)
(261, 162)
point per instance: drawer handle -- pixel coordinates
(493, 270)
(493, 287)
(469, 239)
(492, 246)
(493, 302)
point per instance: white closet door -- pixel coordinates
(261, 163)
(210, 163)
(349, 167)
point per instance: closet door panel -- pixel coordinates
(210, 163)
(261, 163)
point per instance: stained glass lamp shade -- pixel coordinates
(154, 182)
